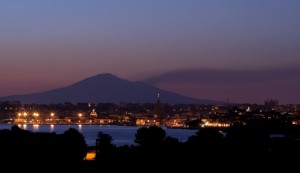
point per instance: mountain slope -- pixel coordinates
(106, 88)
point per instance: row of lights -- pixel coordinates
(34, 114)
(37, 114)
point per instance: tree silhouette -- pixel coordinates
(150, 136)
(170, 141)
(104, 147)
(75, 145)
(206, 136)
(206, 142)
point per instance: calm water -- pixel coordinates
(121, 135)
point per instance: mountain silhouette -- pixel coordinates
(106, 88)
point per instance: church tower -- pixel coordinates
(158, 108)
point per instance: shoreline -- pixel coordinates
(93, 124)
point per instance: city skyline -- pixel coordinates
(237, 50)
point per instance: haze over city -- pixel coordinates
(243, 51)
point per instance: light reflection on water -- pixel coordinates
(79, 127)
(52, 127)
(36, 128)
(121, 135)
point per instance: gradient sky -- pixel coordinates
(54, 43)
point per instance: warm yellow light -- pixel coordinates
(52, 114)
(19, 114)
(35, 126)
(25, 114)
(80, 115)
(90, 155)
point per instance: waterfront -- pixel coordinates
(121, 135)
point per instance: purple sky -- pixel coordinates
(49, 44)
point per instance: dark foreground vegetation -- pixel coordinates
(239, 148)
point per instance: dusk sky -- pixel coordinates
(241, 50)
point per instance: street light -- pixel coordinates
(36, 116)
(25, 114)
(19, 115)
(51, 116)
(79, 115)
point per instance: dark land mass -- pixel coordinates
(243, 148)
(106, 88)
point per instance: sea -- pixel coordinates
(121, 135)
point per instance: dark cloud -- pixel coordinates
(226, 76)
(239, 85)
